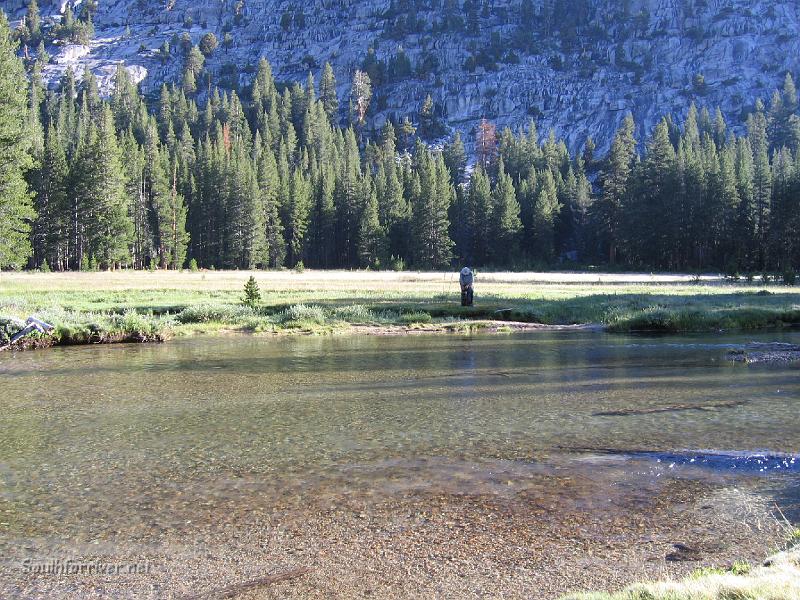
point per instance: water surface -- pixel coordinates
(108, 442)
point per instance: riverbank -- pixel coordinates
(127, 306)
(422, 544)
(777, 579)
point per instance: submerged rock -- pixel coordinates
(765, 353)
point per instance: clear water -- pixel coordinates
(105, 441)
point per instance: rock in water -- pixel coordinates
(776, 352)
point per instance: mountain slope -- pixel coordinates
(574, 65)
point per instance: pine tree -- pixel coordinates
(747, 214)
(648, 223)
(479, 218)
(615, 186)
(172, 236)
(16, 209)
(486, 144)
(371, 236)
(252, 295)
(133, 161)
(103, 227)
(299, 211)
(506, 225)
(33, 23)
(728, 207)
(784, 205)
(360, 95)
(52, 222)
(394, 209)
(455, 157)
(762, 180)
(427, 119)
(430, 223)
(328, 95)
(545, 212)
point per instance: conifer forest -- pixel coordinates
(289, 174)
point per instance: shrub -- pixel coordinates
(8, 327)
(354, 313)
(300, 315)
(208, 43)
(193, 265)
(397, 263)
(207, 313)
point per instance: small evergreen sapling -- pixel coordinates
(252, 295)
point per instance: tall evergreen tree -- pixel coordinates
(103, 227)
(371, 236)
(299, 211)
(762, 180)
(479, 216)
(506, 225)
(51, 227)
(328, 95)
(615, 186)
(16, 208)
(545, 213)
(432, 247)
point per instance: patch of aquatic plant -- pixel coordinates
(465, 326)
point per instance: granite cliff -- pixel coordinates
(576, 66)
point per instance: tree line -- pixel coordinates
(277, 181)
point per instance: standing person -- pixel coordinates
(466, 278)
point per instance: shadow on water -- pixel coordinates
(752, 463)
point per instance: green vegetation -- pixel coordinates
(272, 179)
(123, 305)
(15, 205)
(252, 295)
(778, 579)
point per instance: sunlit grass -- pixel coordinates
(87, 305)
(778, 579)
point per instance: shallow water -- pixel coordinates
(105, 442)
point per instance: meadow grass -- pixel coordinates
(777, 579)
(122, 305)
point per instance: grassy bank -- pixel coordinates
(777, 579)
(121, 306)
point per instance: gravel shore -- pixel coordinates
(546, 536)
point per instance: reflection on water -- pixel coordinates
(153, 432)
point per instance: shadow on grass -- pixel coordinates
(627, 312)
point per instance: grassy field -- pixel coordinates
(128, 305)
(778, 579)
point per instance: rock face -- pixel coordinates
(576, 66)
